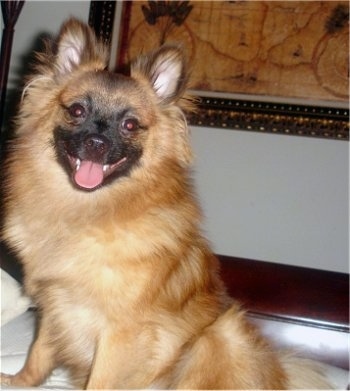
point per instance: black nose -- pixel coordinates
(96, 145)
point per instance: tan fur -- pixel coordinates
(127, 288)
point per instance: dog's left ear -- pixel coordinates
(77, 45)
(166, 69)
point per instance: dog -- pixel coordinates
(101, 210)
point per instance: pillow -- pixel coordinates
(13, 300)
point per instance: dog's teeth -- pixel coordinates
(77, 164)
(105, 167)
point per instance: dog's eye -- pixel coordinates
(77, 111)
(130, 125)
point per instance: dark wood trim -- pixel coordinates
(284, 292)
(10, 11)
(297, 308)
(101, 18)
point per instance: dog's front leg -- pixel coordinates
(39, 364)
(117, 362)
(105, 370)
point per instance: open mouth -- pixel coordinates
(90, 175)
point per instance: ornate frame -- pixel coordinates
(243, 113)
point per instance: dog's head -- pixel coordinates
(103, 125)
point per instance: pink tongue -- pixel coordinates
(89, 174)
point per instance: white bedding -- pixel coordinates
(16, 337)
(17, 333)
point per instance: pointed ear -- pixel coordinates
(166, 70)
(77, 45)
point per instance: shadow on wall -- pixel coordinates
(15, 87)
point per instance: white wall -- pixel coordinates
(273, 197)
(267, 197)
(38, 17)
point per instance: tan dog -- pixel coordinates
(101, 210)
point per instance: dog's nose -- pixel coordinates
(96, 145)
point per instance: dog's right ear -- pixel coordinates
(78, 46)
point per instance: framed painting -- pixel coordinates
(265, 66)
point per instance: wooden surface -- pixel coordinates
(300, 294)
(302, 309)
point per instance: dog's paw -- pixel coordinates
(5, 380)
